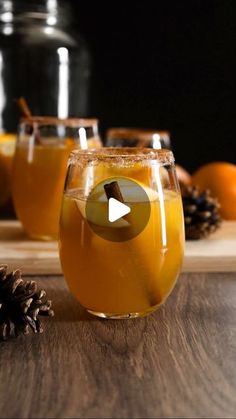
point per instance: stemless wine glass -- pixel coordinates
(137, 137)
(114, 268)
(39, 169)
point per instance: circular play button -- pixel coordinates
(118, 209)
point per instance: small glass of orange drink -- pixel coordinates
(39, 169)
(7, 150)
(121, 237)
(137, 137)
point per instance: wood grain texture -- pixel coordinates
(217, 253)
(177, 362)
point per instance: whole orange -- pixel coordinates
(220, 178)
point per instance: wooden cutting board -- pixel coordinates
(217, 253)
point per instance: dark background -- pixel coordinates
(166, 65)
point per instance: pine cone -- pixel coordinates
(201, 213)
(20, 305)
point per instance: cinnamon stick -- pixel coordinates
(34, 130)
(112, 190)
(24, 107)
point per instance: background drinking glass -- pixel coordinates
(7, 149)
(39, 169)
(122, 278)
(137, 137)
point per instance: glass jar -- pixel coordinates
(121, 230)
(41, 59)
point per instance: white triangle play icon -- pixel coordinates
(116, 210)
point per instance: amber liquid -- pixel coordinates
(37, 186)
(128, 278)
(7, 149)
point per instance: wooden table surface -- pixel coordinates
(177, 362)
(216, 253)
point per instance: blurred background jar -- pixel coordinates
(137, 137)
(42, 59)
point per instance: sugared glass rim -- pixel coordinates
(116, 154)
(51, 120)
(132, 133)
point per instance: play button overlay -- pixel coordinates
(118, 209)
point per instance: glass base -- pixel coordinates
(122, 316)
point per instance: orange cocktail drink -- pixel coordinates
(39, 170)
(120, 269)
